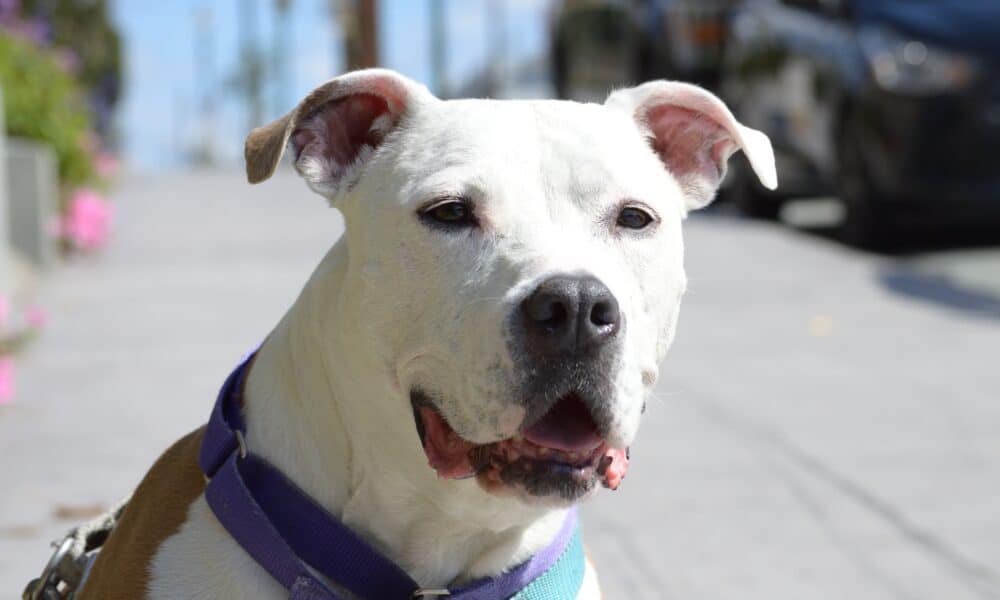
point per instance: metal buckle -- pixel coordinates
(420, 594)
(62, 568)
(241, 447)
(242, 443)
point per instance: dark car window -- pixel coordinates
(811, 5)
(840, 9)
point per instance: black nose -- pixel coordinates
(568, 313)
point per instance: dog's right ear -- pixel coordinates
(335, 129)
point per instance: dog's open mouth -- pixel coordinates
(561, 454)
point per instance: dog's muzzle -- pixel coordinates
(565, 341)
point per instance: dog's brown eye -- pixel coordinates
(634, 218)
(451, 213)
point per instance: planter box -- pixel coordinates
(33, 200)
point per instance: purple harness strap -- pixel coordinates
(284, 530)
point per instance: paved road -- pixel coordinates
(828, 423)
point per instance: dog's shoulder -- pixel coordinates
(156, 511)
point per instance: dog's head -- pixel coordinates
(515, 268)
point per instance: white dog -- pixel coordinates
(473, 356)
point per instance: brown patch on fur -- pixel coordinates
(264, 147)
(156, 511)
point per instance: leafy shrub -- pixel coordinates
(42, 101)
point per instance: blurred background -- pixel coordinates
(828, 422)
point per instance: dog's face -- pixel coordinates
(517, 266)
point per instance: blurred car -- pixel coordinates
(601, 44)
(892, 104)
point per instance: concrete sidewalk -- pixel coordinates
(816, 433)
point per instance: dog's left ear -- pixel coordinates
(335, 129)
(694, 135)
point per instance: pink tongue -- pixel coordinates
(567, 426)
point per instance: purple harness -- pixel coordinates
(284, 530)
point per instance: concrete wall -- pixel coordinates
(32, 198)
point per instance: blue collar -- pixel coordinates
(284, 530)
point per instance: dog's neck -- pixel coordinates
(334, 422)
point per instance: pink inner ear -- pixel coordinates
(340, 129)
(689, 143)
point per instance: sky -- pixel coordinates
(160, 118)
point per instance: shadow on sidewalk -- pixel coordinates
(941, 290)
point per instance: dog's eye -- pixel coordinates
(634, 218)
(452, 213)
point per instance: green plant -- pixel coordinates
(84, 27)
(42, 101)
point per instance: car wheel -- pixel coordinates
(867, 223)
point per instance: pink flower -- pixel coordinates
(35, 316)
(6, 379)
(87, 223)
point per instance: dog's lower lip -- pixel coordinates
(580, 455)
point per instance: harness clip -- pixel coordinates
(241, 442)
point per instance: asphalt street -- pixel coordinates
(827, 425)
